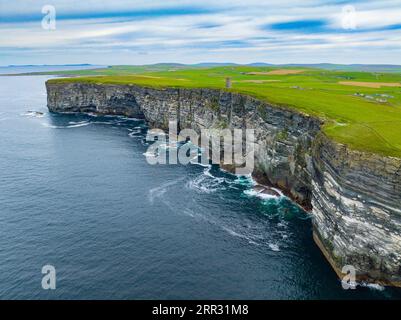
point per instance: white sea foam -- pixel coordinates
(206, 182)
(161, 190)
(247, 180)
(33, 114)
(77, 122)
(104, 122)
(200, 163)
(70, 125)
(246, 230)
(274, 247)
(207, 172)
(135, 134)
(240, 235)
(372, 286)
(167, 146)
(201, 185)
(150, 154)
(260, 194)
(233, 233)
(78, 125)
(282, 224)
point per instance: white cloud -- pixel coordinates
(233, 30)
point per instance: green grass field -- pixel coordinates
(362, 117)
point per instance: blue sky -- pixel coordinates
(152, 31)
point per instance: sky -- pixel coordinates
(152, 31)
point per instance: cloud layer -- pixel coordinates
(139, 32)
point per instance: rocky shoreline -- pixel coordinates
(354, 197)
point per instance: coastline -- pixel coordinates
(294, 155)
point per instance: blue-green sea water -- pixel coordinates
(76, 192)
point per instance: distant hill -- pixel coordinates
(84, 69)
(214, 64)
(260, 64)
(326, 66)
(351, 67)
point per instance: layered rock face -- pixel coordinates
(357, 210)
(354, 198)
(96, 99)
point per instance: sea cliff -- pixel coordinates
(354, 197)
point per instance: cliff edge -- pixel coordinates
(354, 197)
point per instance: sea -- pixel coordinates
(78, 194)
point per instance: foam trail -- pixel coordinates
(161, 190)
(135, 134)
(372, 286)
(33, 114)
(71, 125)
(201, 164)
(206, 182)
(260, 194)
(274, 247)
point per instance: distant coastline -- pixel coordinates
(43, 69)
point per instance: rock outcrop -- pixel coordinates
(354, 197)
(357, 210)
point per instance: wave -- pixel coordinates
(168, 146)
(198, 163)
(248, 234)
(33, 114)
(239, 235)
(372, 286)
(259, 194)
(250, 238)
(135, 133)
(71, 124)
(244, 228)
(274, 247)
(103, 122)
(150, 154)
(158, 192)
(207, 182)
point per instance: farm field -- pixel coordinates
(360, 109)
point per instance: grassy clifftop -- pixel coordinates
(361, 109)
